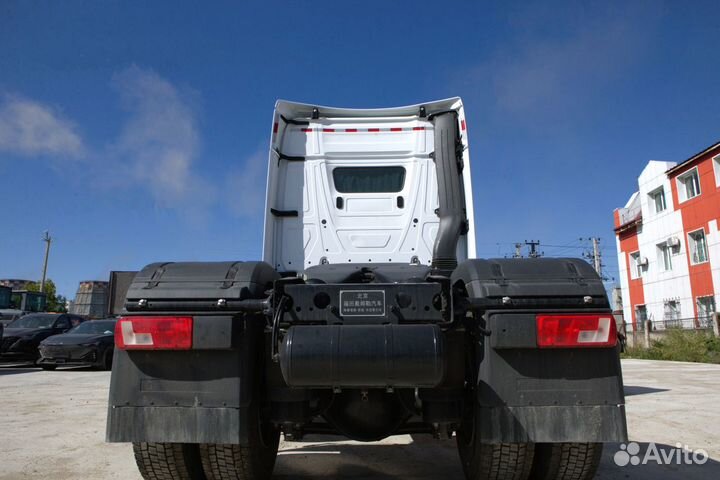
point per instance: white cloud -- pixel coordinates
(160, 141)
(245, 187)
(559, 60)
(30, 128)
(157, 149)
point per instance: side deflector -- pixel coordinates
(358, 186)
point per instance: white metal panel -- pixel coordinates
(367, 227)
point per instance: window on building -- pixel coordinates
(640, 316)
(698, 247)
(689, 185)
(636, 265)
(706, 310)
(716, 165)
(657, 200)
(671, 314)
(665, 256)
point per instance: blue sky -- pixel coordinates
(136, 131)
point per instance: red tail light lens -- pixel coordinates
(566, 331)
(154, 333)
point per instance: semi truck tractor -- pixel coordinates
(368, 316)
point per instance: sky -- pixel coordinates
(137, 131)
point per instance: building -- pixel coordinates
(15, 283)
(91, 299)
(668, 243)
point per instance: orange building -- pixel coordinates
(668, 243)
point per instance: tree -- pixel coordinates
(55, 302)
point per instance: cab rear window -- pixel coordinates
(368, 179)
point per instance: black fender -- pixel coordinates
(524, 393)
(200, 395)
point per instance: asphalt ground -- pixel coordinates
(52, 426)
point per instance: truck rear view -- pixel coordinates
(367, 317)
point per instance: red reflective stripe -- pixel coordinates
(351, 130)
(396, 129)
(373, 129)
(418, 128)
(328, 130)
(462, 124)
(306, 130)
(275, 127)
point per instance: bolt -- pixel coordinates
(506, 300)
(142, 303)
(221, 302)
(587, 299)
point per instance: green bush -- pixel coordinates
(682, 346)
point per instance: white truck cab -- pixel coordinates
(357, 186)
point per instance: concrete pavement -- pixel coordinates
(52, 427)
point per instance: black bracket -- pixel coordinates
(315, 113)
(289, 158)
(284, 213)
(293, 121)
(422, 113)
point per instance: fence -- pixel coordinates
(689, 323)
(651, 330)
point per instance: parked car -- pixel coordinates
(7, 315)
(90, 343)
(23, 335)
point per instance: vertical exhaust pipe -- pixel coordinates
(451, 199)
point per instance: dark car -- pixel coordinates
(90, 343)
(23, 335)
(8, 315)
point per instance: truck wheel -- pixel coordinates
(168, 461)
(493, 461)
(566, 461)
(252, 461)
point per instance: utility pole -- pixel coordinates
(597, 261)
(518, 250)
(533, 244)
(595, 256)
(48, 240)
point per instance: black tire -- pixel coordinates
(169, 461)
(48, 367)
(566, 461)
(252, 461)
(497, 461)
(492, 461)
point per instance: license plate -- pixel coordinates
(362, 303)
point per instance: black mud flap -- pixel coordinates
(561, 395)
(528, 394)
(194, 396)
(200, 395)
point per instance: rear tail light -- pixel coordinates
(581, 330)
(154, 333)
